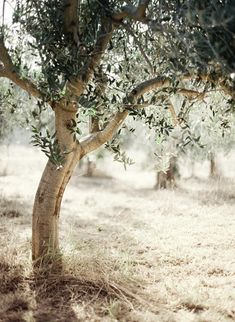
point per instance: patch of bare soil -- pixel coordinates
(130, 253)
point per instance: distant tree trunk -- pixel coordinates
(214, 173)
(50, 192)
(192, 164)
(90, 167)
(167, 179)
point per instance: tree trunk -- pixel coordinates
(46, 210)
(214, 173)
(167, 179)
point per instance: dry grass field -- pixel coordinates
(131, 253)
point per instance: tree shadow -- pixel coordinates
(53, 298)
(13, 302)
(37, 298)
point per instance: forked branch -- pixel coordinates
(95, 140)
(77, 85)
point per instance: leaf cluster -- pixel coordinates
(49, 146)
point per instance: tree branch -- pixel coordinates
(95, 140)
(101, 85)
(191, 94)
(8, 70)
(151, 84)
(219, 81)
(71, 20)
(77, 85)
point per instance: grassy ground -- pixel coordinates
(130, 253)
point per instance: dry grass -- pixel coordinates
(11, 208)
(89, 289)
(130, 254)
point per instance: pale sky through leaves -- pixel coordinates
(8, 6)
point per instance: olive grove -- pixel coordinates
(96, 62)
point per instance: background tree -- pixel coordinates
(212, 123)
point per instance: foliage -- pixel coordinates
(176, 38)
(12, 109)
(119, 155)
(49, 145)
(200, 35)
(5, 95)
(213, 126)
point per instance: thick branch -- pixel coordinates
(161, 82)
(191, 94)
(149, 85)
(95, 140)
(8, 70)
(77, 86)
(71, 19)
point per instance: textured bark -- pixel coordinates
(46, 210)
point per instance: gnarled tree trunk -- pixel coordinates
(45, 242)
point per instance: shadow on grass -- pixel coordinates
(50, 298)
(13, 302)
(90, 287)
(53, 297)
(33, 298)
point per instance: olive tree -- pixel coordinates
(212, 123)
(100, 61)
